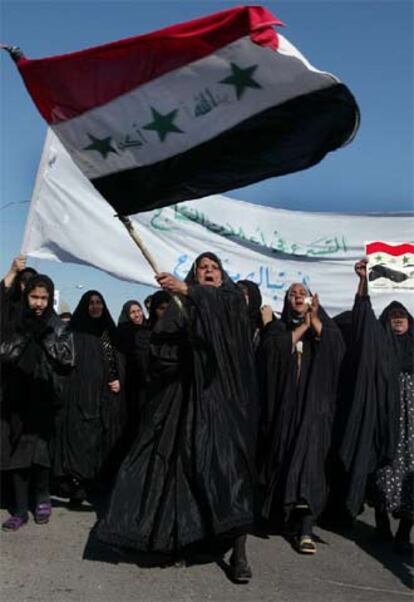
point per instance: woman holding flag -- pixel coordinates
(189, 476)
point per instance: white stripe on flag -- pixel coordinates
(205, 108)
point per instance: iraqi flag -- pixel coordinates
(190, 110)
(390, 265)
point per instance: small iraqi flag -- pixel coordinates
(191, 110)
(390, 265)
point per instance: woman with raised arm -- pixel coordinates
(189, 476)
(299, 359)
(35, 353)
(377, 447)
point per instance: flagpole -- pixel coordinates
(124, 219)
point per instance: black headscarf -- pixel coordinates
(292, 320)
(191, 277)
(29, 316)
(124, 315)
(157, 299)
(255, 303)
(127, 330)
(289, 317)
(33, 325)
(404, 343)
(82, 322)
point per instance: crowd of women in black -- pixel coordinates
(208, 417)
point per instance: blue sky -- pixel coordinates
(368, 44)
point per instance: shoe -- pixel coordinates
(306, 545)
(240, 571)
(42, 513)
(13, 523)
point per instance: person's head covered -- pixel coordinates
(92, 315)
(131, 313)
(38, 295)
(207, 270)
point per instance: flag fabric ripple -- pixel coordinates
(190, 110)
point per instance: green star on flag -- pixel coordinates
(405, 259)
(378, 258)
(101, 145)
(241, 79)
(163, 124)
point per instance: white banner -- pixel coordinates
(70, 222)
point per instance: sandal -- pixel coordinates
(306, 545)
(42, 513)
(13, 523)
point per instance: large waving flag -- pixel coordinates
(191, 110)
(69, 220)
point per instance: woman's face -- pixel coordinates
(38, 300)
(95, 307)
(208, 272)
(160, 310)
(296, 296)
(399, 324)
(136, 314)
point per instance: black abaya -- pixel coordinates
(370, 435)
(298, 410)
(189, 475)
(88, 443)
(35, 354)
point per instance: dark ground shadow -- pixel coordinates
(195, 555)
(365, 537)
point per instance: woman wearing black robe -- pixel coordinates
(88, 445)
(133, 337)
(189, 476)
(377, 448)
(35, 353)
(298, 361)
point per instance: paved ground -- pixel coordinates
(48, 564)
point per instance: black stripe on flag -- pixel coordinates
(287, 138)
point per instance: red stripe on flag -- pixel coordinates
(66, 86)
(382, 247)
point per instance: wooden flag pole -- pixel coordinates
(124, 219)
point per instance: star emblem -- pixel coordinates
(405, 259)
(101, 145)
(163, 124)
(241, 79)
(378, 258)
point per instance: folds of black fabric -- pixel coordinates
(371, 422)
(190, 473)
(90, 425)
(34, 358)
(297, 416)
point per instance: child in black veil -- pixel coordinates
(35, 353)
